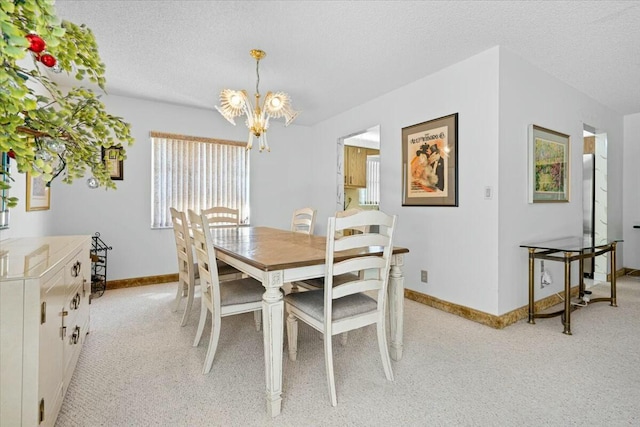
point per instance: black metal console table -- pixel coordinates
(566, 250)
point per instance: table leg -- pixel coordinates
(531, 297)
(581, 286)
(273, 329)
(567, 294)
(396, 306)
(613, 275)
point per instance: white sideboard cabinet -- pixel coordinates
(45, 284)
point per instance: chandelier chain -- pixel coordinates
(258, 76)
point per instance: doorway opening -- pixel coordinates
(358, 180)
(594, 199)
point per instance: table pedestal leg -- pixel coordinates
(273, 328)
(613, 275)
(396, 306)
(531, 297)
(581, 286)
(567, 294)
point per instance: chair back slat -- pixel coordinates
(349, 212)
(183, 244)
(357, 264)
(355, 287)
(303, 220)
(221, 216)
(360, 241)
(209, 280)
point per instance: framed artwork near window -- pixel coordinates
(113, 162)
(38, 194)
(549, 169)
(430, 163)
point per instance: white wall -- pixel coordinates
(21, 222)
(456, 245)
(631, 191)
(279, 184)
(472, 252)
(530, 96)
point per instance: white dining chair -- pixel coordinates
(318, 282)
(224, 217)
(188, 276)
(221, 299)
(337, 309)
(303, 220)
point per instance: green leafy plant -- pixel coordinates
(50, 130)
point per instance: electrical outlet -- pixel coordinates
(423, 276)
(488, 193)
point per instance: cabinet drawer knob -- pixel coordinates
(75, 337)
(75, 269)
(75, 302)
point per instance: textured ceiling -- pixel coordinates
(333, 55)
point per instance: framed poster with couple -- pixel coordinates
(430, 163)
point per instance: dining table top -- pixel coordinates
(271, 249)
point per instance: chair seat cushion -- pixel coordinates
(340, 279)
(240, 291)
(224, 268)
(312, 303)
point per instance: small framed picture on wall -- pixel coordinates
(112, 158)
(548, 165)
(38, 194)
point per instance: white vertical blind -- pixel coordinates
(371, 194)
(197, 173)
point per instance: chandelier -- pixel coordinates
(234, 103)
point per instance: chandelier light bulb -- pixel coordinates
(236, 100)
(276, 102)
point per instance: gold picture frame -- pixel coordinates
(549, 165)
(115, 165)
(38, 194)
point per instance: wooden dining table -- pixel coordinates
(276, 257)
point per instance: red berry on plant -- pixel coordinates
(36, 44)
(48, 60)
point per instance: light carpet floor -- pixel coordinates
(138, 368)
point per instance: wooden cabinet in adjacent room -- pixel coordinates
(355, 165)
(44, 317)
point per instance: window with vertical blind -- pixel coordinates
(370, 195)
(196, 173)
